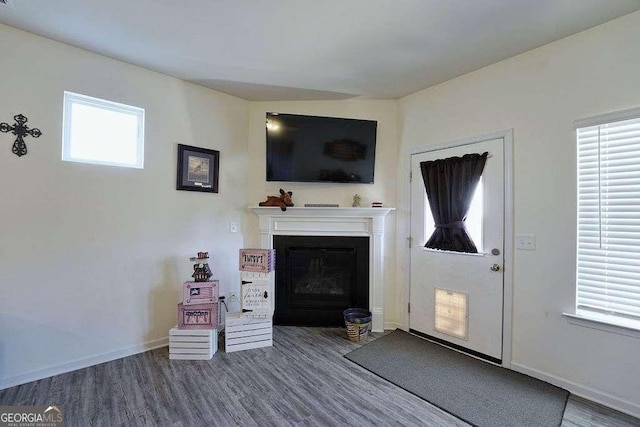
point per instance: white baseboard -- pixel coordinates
(392, 326)
(63, 368)
(588, 393)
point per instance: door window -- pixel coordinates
(474, 221)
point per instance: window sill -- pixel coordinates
(603, 322)
(440, 251)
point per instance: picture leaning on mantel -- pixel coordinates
(198, 169)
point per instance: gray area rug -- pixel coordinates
(477, 392)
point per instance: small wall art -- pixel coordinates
(20, 129)
(198, 169)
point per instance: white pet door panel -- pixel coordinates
(451, 313)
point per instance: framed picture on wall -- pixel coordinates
(198, 169)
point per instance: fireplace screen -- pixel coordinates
(328, 272)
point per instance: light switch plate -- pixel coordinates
(233, 227)
(526, 242)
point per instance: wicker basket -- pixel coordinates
(358, 322)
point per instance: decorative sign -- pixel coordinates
(256, 296)
(20, 129)
(257, 260)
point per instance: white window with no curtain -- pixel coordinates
(102, 132)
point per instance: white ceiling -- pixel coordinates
(311, 49)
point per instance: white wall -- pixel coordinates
(92, 257)
(539, 94)
(383, 189)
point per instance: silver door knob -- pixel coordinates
(495, 267)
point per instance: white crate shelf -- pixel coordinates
(243, 332)
(192, 344)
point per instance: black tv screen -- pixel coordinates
(320, 149)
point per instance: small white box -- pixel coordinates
(246, 332)
(192, 344)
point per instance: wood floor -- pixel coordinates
(302, 380)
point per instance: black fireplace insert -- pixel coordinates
(318, 277)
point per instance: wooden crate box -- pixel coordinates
(247, 332)
(192, 344)
(257, 260)
(200, 292)
(197, 316)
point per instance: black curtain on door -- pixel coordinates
(450, 184)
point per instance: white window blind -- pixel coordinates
(608, 259)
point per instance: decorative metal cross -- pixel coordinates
(20, 129)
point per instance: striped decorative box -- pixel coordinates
(192, 344)
(247, 332)
(197, 316)
(200, 292)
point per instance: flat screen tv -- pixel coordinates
(320, 149)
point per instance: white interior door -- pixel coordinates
(457, 297)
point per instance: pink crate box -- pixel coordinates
(257, 260)
(198, 316)
(200, 292)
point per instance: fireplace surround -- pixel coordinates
(354, 222)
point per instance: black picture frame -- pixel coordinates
(198, 169)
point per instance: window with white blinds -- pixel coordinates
(608, 259)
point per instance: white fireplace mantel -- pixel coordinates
(368, 222)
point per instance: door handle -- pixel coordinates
(495, 267)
